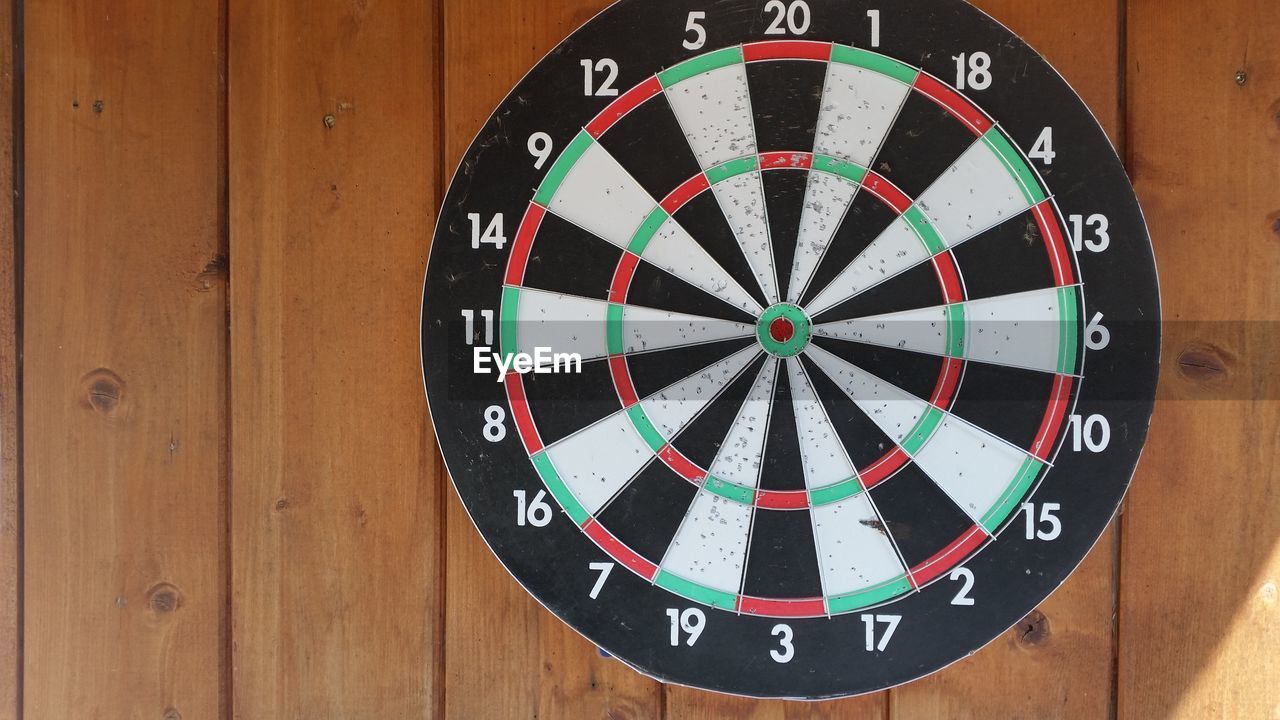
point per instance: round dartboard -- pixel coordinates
(792, 348)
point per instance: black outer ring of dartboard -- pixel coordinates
(629, 621)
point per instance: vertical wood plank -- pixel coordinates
(1058, 663)
(1198, 621)
(10, 524)
(494, 629)
(333, 121)
(124, 396)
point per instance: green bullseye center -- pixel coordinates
(784, 330)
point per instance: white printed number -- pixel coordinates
(605, 66)
(785, 650)
(1093, 433)
(494, 429)
(1098, 229)
(874, 17)
(973, 71)
(469, 318)
(604, 568)
(691, 621)
(536, 513)
(491, 234)
(1049, 526)
(1096, 335)
(788, 18)
(540, 146)
(699, 33)
(1043, 149)
(965, 577)
(878, 641)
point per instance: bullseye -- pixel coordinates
(782, 330)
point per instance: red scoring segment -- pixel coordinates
(1051, 231)
(949, 557)
(805, 607)
(618, 551)
(524, 243)
(632, 99)
(888, 193)
(1053, 417)
(954, 103)
(787, 50)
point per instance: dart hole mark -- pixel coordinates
(1034, 629)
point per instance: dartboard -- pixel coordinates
(792, 348)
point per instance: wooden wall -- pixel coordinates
(219, 492)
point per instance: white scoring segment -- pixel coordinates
(897, 249)
(596, 462)
(821, 453)
(672, 249)
(571, 324)
(971, 466)
(858, 109)
(599, 196)
(711, 545)
(742, 201)
(741, 454)
(645, 329)
(854, 552)
(671, 409)
(826, 201)
(561, 323)
(974, 194)
(714, 110)
(894, 410)
(1022, 330)
(923, 330)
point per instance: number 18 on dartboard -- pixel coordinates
(793, 348)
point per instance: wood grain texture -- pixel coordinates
(125, 355)
(1199, 625)
(335, 498)
(494, 628)
(1057, 663)
(10, 353)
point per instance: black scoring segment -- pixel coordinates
(593, 263)
(923, 143)
(786, 97)
(863, 440)
(655, 288)
(650, 145)
(701, 440)
(916, 373)
(783, 559)
(1006, 402)
(782, 467)
(1009, 258)
(703, 219)
(913, 289)
(646, 514)
(654, 371)
(865, 220)
(784, 191)
(565, 403)
(918, 514)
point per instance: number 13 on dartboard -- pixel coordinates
(867, 330)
